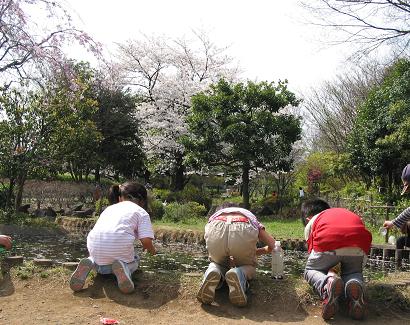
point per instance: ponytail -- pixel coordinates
(114, 194)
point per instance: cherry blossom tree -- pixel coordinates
(165, 73)
(32, 38)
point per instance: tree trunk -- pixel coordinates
(21, 179)
(178, 174)
(147, 176)
(97, 175)
(245, 186)
(9, 199)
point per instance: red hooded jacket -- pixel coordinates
(337, 228)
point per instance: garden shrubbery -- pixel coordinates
(156, 209)
(177, 212)
(189, 194)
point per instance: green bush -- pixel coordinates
(6, 216)
(156, 209)
(176, 212)
(160, 194)
(3, 196)
(191, 194)
(100, 204)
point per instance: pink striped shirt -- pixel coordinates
(234, 210)
(115, 231)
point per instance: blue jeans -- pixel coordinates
(130, 268)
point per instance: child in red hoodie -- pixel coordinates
(336, 235)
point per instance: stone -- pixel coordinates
(70, 265)
(83, 214)
(43, 262)
(14, 260)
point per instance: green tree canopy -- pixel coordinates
(121, 145)
(242, 127)
(379, 144)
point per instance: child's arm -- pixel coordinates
(148, 245)
(5, 241)
(266, 239)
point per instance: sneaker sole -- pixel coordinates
(354, 293)
(236, 294)
(125, 284)
(329, 310)
(206, 293)
(79, 276)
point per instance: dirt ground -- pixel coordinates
(33, 295)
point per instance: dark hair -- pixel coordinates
(222, 206)
(225, 205)
(311, 208)
(131, 191)
(114, 194)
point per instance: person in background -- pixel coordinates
(301, 193)
(401, 220)
(111, 242)
(335, 235)
(231, 235)
(5, 241)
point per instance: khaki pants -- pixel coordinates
(236, 239)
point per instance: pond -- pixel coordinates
(171, 257)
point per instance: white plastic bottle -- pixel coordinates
(277, 261)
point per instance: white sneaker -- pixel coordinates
(206, 293)
(237, 294)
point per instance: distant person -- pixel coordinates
(111, 242)
(5, 241)
(336, 235)
(231, 235)
(401, 220)
(301, 193)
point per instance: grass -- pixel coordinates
(279, 228)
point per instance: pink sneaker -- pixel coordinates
(79, 276)
(356, 301)
(125, 283)
(333, 289)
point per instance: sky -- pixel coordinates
(269, 38)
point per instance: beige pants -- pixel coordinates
(236, 239)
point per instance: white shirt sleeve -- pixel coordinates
(308, 228)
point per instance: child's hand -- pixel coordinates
(5, 241)
(388, 224)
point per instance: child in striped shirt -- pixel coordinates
(111, 242)
(403, 217)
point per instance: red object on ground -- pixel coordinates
(107, 321)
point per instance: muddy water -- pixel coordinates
(170, 257)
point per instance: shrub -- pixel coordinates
(176, 212)
(191, 194)
(3, 196)
(156, 209)
(100, 204)
(160, 194)
(194, 194)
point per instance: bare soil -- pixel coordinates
(34, 295)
